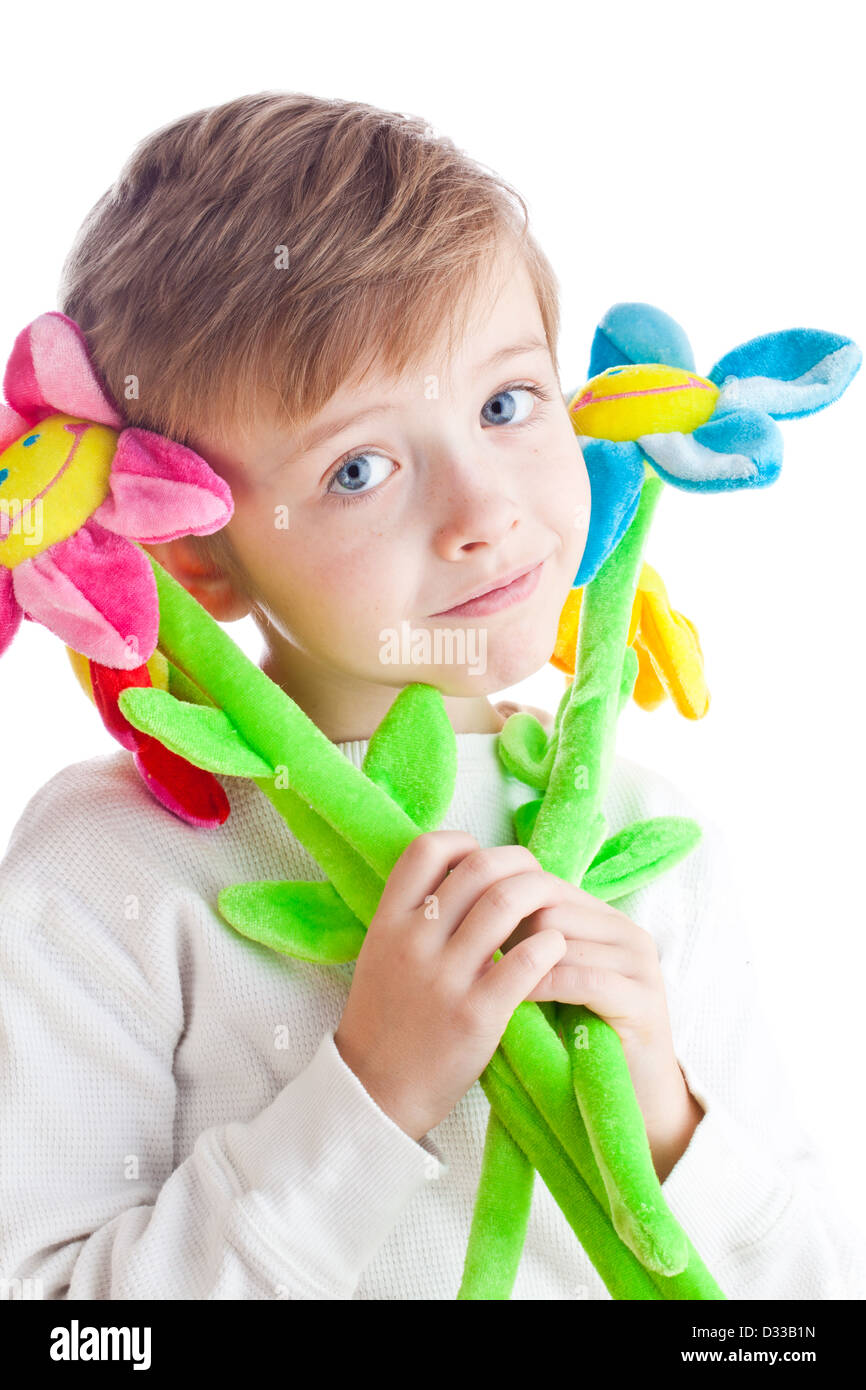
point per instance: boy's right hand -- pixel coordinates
(428, 1005)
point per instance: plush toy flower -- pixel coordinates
(666, 643)
(702, 434)
(76, 489)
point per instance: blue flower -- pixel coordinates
(643, 407)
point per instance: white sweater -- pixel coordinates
(177, 1123)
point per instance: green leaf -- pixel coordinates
(307, 920)
(412, 755)
(522, 746)
(524, 820)
(201, 733)
(639, 853)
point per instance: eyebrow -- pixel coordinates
(312, 438)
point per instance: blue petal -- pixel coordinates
(616, 476)
(787, 374)
(633, 333)
(742, 448)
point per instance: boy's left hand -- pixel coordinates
(612, 966)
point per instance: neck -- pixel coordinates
(345, 708)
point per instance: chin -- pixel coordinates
(472, 661)
(510, 660)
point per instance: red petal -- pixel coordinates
(188, 791)
(108, 682)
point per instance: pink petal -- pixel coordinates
(159, 490)
(49, 372)
(10, 609)
(97, 592)
(12, 426)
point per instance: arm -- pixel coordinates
(670, 1128)
(289, 1205)
(748, 1185)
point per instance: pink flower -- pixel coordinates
(76, 488)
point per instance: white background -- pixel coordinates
(704, 158)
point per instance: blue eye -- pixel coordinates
(510, 415)
(31, 439)
(4, 474)
(358, 472)
(614, 371)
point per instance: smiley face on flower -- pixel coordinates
(53, 478)
(76, 488)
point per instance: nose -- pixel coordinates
(479, 520)
(471, 504)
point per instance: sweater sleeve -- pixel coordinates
(291, 1204)
(749, 1189)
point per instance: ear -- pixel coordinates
(207, 584)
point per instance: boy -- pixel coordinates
(339, 311)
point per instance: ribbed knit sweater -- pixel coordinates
(177, 1123)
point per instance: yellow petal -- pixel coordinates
(81, 667)
(670, 659)
(634, 620)
(673, 645)
(158, 668)
(694, 632)
(565, 648)
(648, 690)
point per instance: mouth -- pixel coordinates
(504, 596)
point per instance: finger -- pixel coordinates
(477, 872)
(580, 916)
(616, 999)
(496, 915)
(590, 955)
(421, 868)
(615, 953)
(511, 980)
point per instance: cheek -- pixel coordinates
(314, 580)
(584, 495)
(258, 542)
(568, 491)
(580, 513)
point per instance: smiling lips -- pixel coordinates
(494, 599)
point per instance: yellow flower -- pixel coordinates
(670, 660)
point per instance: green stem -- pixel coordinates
(278, 729)
(622, 1273)
(558, 1152)
(568, 830)
(566, 835)
(358, 885)
(495, 1245)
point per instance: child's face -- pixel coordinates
(361, 540)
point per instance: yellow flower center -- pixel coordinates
(51, 480)
(624, 403)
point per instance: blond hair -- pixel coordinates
(274, 246)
